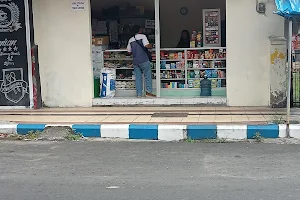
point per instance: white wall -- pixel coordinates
(64, 43)
(278, 72)
(248, 52)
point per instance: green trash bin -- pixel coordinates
(96, 87)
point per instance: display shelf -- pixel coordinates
(125, 79)
(196, 48)
(118, 59)
(177, 69)
(206, 68)
(172, 79)
(210, 63)
(207, 78)
(172, 60)
(124, 68)
(213, 59)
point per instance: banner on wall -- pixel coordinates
(14, 58)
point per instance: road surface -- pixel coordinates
(148, 171)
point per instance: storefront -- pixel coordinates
(237, 61)
(178, 71)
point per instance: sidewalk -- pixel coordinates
(145, 115)
(156, 123)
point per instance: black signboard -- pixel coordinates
(14, 90)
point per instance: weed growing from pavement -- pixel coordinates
(258, 138)
(15, 137)
(278, 119)
(219, 140)
(73, 136)
(190, 140)
(31, 135)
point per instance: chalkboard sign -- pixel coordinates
(14, 89)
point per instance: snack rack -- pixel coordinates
(181, 71)
(125, 77)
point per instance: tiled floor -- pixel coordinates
(125, 115)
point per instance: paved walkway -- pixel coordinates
(146, 115)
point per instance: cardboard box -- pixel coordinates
(101, 40)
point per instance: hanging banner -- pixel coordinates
(288, 8)
(14, 60)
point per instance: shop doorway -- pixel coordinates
(180, 70)
(112, 23)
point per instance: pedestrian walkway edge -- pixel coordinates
(164, 132)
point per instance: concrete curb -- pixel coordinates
(164, 132)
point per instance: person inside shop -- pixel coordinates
(184, 41)
(138, 45)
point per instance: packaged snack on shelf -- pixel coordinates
(208, 73)
(196, 64)
(192, 74)
(219, 83)
(199, 39)
(163, 64)
(171, 56)
(180, 85)
(197, 56)
(194, 35)
(180, 55)
(173, 65)
(197, 74)
(175, 55)
(192, 44)
(188, 54)
(197, 83)
(214, 73)
(202, 74)
(191, 83)
(214, 83)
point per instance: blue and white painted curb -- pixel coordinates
(164, 132)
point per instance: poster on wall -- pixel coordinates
(14, 82)
(211, 27)
(78, 5)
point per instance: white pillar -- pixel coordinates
(288, 110)
(157, 46)
(28, 38)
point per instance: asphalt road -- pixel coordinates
(148, 171)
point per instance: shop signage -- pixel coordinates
(14, 83)
(78, 5)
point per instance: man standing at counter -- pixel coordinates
(138, 45)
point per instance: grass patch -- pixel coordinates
(220, 140)
(15, 137)
(31, 135)
(190, 140)
(74, 136)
